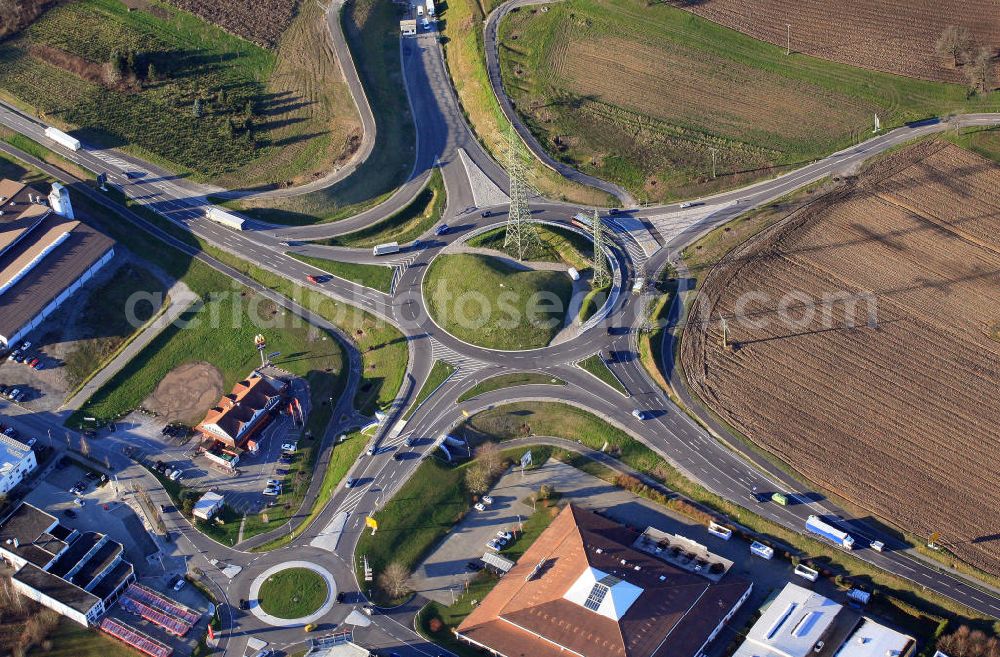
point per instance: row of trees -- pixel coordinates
(965, 642)
(958, 45)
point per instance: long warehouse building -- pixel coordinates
(46, 255)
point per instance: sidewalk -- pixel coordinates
(180, 298)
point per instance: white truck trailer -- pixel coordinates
(386, 249)
(430, 7)
(228, 219)
(61, 138)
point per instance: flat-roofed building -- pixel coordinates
(45, 257)
(802, 623)
(17, 461)
(79, 575)
(583, 589)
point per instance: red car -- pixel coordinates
(312, 279)
(33, 362)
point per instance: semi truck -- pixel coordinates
(829, 532)
(61, 138)
(430, 7)
(220, 216)
(386, 249)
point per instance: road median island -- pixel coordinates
(377, 277)
(502, 381)
(528, 420)
(490, 302)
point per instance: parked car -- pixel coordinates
(181, 582)
(505, 535)
(289, 447)
(4, 390)
(487, 499)
(175, 475)
(495, 544)
(480, 506)
(20, 396)
(274, 482)
(79, 502)
(271, 491)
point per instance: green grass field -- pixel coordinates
(983, 141)
(100, 333)
(293, 593)
(374, 276)
(487, 302)
(680, 87)
(372, 30)
(438, 375)
(596, 366)
(422, 214)
(191, 60)
(554, 245)
(509, 381)
(71, 639)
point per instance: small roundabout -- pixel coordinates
(477, 292)
(292, 593)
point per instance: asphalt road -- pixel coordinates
(725, 470)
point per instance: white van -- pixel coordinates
(420, 10)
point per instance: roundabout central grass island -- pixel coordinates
(293, 593)
(493, 302)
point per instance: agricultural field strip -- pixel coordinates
(954, 385)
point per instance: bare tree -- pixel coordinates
(477, 479)
(980, 71)
(489, 456)
(395, 580)
(954, 42)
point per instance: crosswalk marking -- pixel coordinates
(464, 365)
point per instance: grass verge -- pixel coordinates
(406, 225)
(530, 305)
(983, 141)
(438, 375)
(509, 381)
(596, 366)
(461, 26)
(376, 277)
(554, 245)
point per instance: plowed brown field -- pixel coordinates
(260, 21)
(896, 36)
(899, 415)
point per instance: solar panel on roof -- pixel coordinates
(596, 597)
(609, 581)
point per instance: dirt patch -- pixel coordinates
(148, 7)
(863, 354)
(260, 21)
(186, 393)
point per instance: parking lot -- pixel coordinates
(446, 569)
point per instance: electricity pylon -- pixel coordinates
(521, 232)
(601, 275)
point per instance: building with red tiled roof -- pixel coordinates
(582, 588)
(242, 413)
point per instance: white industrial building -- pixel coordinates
(17, 460)
(78, 575)
(803, 623)
(46, 255)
